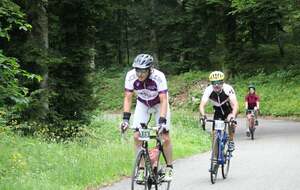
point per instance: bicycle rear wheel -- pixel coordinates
(214, 166)
(141, 185)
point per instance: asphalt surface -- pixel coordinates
(269, 162)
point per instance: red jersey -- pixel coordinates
(252, 100)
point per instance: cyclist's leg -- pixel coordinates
(140, 116)
(231, 132)
(255, 117)
(251, 119)
(248, 124)
(167, 145)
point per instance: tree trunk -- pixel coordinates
(153, 35)
(230, 40)
(37, 10)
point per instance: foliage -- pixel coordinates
(278, 91)
(14, 96)
(11, 17)
(97, 158)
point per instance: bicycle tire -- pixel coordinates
(161, 185)
(134, 184)
(226, 165)
(214, 166)
(252, 133)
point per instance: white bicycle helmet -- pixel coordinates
(143, 61)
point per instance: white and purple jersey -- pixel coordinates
(147, 91)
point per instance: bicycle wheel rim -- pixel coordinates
(134, 185)
(225, 167)
(214, 171)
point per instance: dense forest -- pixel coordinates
(50, 51)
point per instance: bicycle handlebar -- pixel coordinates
(213, 121)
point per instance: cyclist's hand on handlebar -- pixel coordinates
(124, 125)
(203, 121)
(162, 124)
(231, 118)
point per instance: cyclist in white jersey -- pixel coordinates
(223, 99)
(150, 86)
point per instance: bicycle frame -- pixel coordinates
(222, 138)
(153, 173)
(221, 157)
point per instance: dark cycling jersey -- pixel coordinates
(220, 100)
(252, 100)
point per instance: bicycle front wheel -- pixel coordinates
(214, 166)
(226, 165)
(141, 184)
(160, 174)
(252, 129)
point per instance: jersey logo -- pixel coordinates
(131, 77)
(157, 78)
(231, 92)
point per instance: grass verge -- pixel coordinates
(100, 158)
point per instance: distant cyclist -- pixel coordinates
(224, 102)
(251, 103)
(150, 86)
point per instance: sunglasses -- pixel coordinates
(141, 71)
(218, 82)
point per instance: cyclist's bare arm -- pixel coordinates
(257, 105)
(163, 104)
(234, 104)
(246, 105)
(127, 101)
(202, 106)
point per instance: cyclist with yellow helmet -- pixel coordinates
(224, 101)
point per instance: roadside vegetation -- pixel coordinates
(97, 156)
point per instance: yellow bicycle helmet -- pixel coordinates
(216, 76)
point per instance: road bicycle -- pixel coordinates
(220, 154)
(154, 171)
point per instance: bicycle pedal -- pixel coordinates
(140, 182)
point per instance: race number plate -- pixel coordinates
(144, 134)
(219, 125)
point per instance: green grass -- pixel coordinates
(279, 92)
(279, 96)
(97, 159)
(100, 157)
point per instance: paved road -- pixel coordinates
(270, 162)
